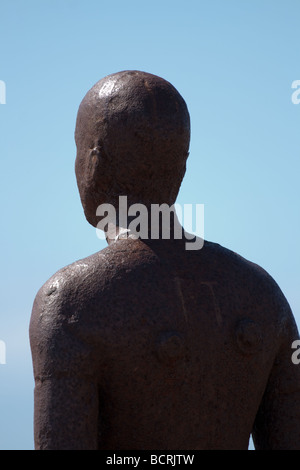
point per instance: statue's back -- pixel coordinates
(179, 344)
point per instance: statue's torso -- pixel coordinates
(185, 343)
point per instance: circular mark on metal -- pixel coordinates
(170, 346)
(248, 336)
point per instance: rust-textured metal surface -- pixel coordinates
(146, 345)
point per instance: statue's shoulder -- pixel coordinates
(80, 283)
(80, 299)
(235, 265)
(252, 284)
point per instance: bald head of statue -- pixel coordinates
(132, 137)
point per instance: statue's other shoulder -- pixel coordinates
(256, 286)
(77, 300)
(84, 278)
(69, 313)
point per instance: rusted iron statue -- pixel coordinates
(148, 345)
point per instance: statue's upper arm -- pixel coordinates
(277, 424)
(66, 388)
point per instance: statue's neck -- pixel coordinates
(152, 222)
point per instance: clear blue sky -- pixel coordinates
(233, 61)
